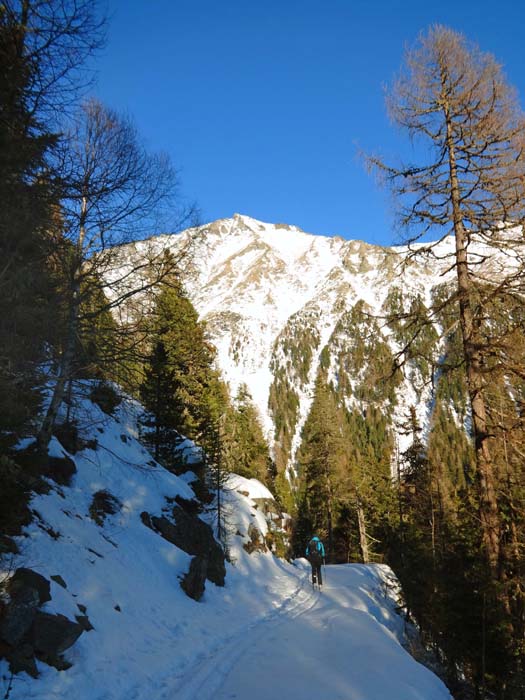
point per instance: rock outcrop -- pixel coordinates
(27, 632)
(193, 583)
(189, 533)
(256, 542)
(53, 634)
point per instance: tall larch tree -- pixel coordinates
(456, 100)
(455, 103)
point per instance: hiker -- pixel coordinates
(315, 555)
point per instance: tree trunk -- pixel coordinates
(329, 510)
(363, 542)
(68, 356)
(157, 417)
(488, 507)
(64, 375)
(432, 525)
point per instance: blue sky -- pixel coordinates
(263, 105)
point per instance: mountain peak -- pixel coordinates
(257, 224)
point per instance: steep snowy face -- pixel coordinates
(249, 279)
(282, 305)
(273, 297)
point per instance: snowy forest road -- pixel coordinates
(340, 644)
(205, 680)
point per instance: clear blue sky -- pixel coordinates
(262, 104)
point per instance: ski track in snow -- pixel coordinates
(206, 679)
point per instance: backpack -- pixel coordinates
(314, 555)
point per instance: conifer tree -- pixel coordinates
(319, 460)
(215, 441)
(180, 387)
(159, 395)
(369, 480)
(456, 98)
(249, 455)
(25, 216)
(98, 334)
(190, 356)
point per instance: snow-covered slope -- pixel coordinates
(151, 641)
(247, 280)
(342, 645)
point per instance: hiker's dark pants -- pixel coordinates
(316, 572)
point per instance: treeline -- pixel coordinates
(455, 100)
(344, 461)
(473, 620)
(76, 185)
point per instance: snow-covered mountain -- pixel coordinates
(279, 302)
(274, 297)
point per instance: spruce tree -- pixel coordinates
(181, 388)
(249, 453)
(158, 393)
(319, 461)
(216, 449)
(25, 221)
(178, 337)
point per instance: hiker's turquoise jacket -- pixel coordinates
(319, 546)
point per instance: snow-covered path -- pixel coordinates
(340, 644)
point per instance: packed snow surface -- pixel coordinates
(341, 643)
(265, 634)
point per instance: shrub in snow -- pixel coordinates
(103, 503)
(106, 397)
